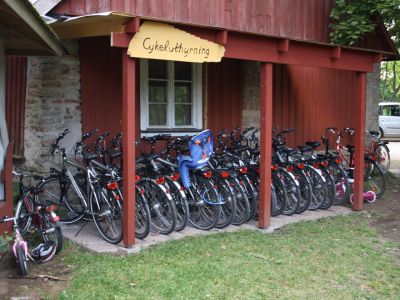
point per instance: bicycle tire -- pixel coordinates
(331, 189)
(162, 207)
(281, 196)
(60, 191)
(374, 179)
(342, 185)
(252, 196)
(242, 211)
(382, 155)
(143, 217)
(21, 260)
(292, 190)
(203, 215)
(228, 209)
(319, 189)
(181, 205)
(107, 215)
(305, 191)
(53, 232)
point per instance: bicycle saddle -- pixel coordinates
(288, 151)
(304, 148)
(313, 144)
(374, 133)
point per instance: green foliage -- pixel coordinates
(4, 242)
(352, 19)
(390, 81)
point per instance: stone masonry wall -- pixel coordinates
(373, 98)
(251, 94)
(52, 104)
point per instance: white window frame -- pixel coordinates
(197, 99)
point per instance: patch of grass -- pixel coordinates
(333, 258)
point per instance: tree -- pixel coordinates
(353, 19)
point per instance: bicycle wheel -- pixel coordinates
(252, 195)
(319, 189)
(374, 179)
(382, 155)
(107, 214)
(143, 217)
(182, 208)
(331, 189)
(242, 211)
(280, 195)
(62, 192)
(21, 260)
(305, 191)
(22, 213)
(52, 232)
(204, 205)
(228, 208)
(342, 184)
(162, 207)
(292, 190)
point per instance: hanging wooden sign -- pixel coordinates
(162, 41)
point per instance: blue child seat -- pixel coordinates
(201, 147)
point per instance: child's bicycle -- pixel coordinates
(40, 254)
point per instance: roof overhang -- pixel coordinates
(24, 32)
(259, 47)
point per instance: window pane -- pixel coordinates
(183, 71)
(157, 91)
(157, 114)
(157, 69)
(183, 114)
(183, 92)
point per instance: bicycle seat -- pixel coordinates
(89, 155)
(304, 148)
(350, 148)
(288, 151)
(374, 134)
(313, 144)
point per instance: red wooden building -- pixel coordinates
(302, 81)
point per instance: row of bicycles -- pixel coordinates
(192, 181)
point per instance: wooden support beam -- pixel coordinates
(6, 207)
(222, 37)
(133, 25)
(120, 39)
(377, 58)
(283, 46)
(264, 199)
(361, 87)
(128, 127)
(336, 52)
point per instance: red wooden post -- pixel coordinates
(361, 86)
(264, 204)
(128, 127)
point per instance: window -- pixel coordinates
(170, 95)
(391, 110)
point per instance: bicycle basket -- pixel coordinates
(201, 146)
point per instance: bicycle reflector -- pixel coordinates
(207, 174)
(300, 166)
(324, 163)
(289, 168)
(315, 165)
(51, 208)
(175, 176)
(243, 170)
(338, 160)
(160, 180)
(112, 185)
(224, 174)
(274, 167)
(137, 178)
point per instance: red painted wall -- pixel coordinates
(224, 95)
(312, 99)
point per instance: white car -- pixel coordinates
(389, 119)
